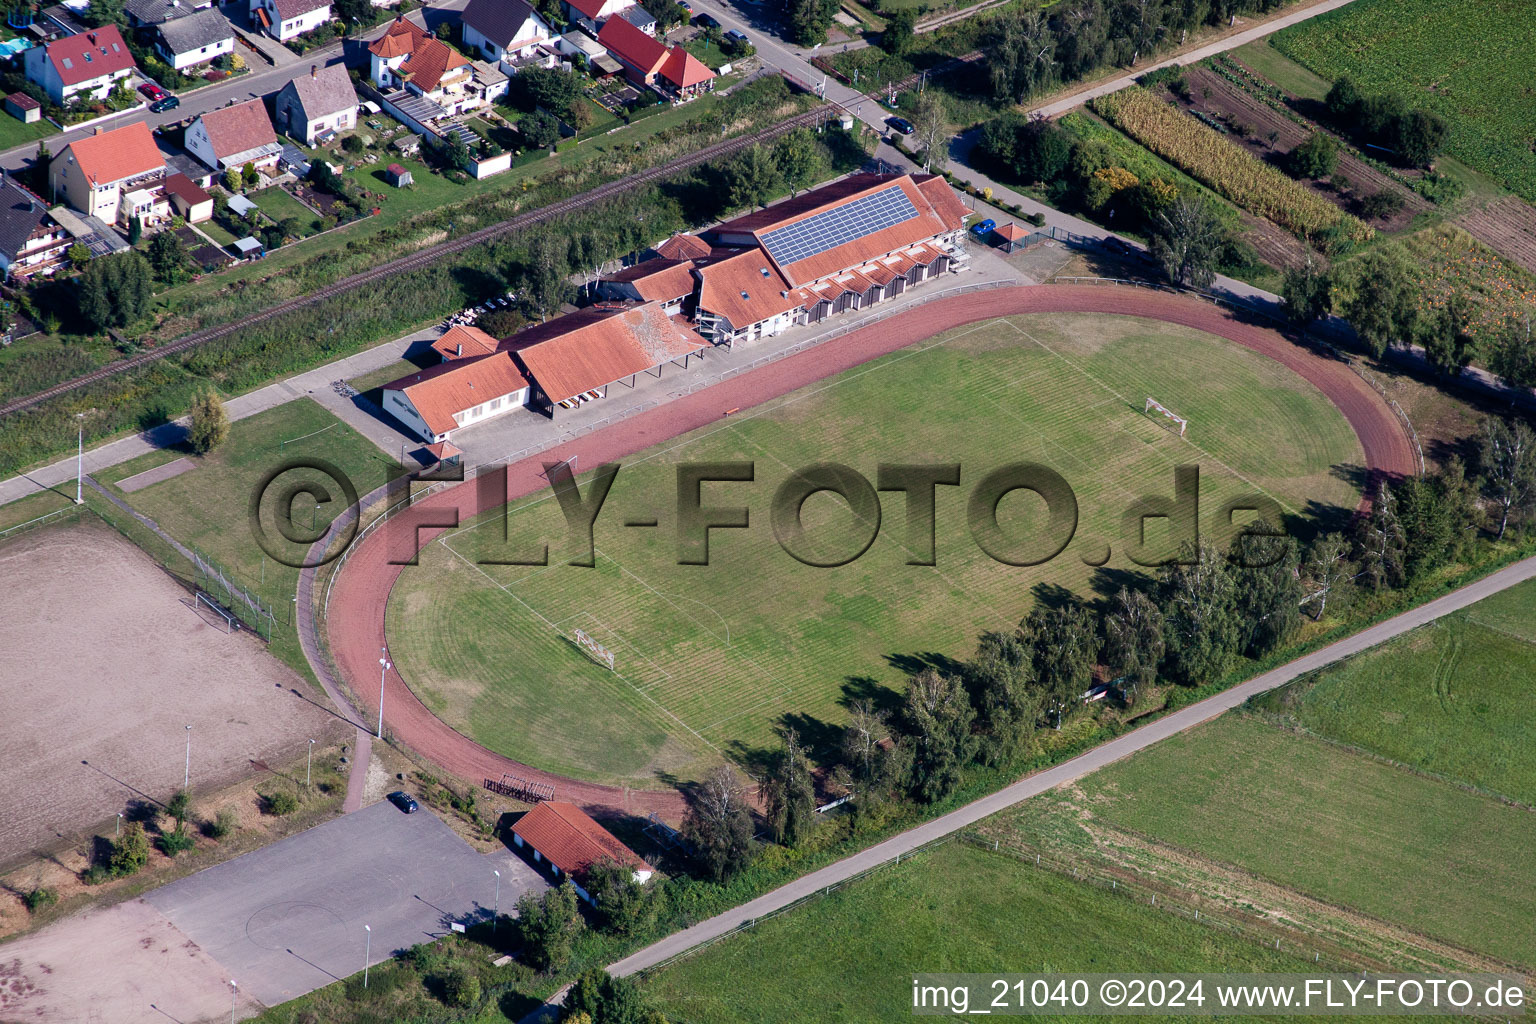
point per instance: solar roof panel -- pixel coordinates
(839, 225)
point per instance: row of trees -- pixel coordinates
(1189, 626)
(1382, 298)
(1413, 134)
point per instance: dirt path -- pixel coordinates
(361, 590)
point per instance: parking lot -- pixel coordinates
(290, 918)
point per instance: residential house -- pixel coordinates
(234, 136)
(193, 39)
(408, 59)
(95, 174)
(641, 18)
(189, 199)
(32, 243)
(284, 19)
(86, 65)
(316, 106)
(148, 13)
(566, 838)
(508, 32)
(593, 14)
(650, 62)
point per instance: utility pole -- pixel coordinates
(367, 946)
(309, 761)
(186, 777)
(383, 668)
(498, 901)
(232, 989)
(80, 459)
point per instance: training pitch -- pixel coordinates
(106, 664)
(709, 659)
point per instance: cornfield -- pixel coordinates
(1224, 166)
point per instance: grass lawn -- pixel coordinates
(850, 956)
(1453, 698)
(1280, 69)
(24, 510)
(207, 507)
(708, 52)
(213, 229)
(278, 205)
(1453, 56)
(706, 664)
(14, 133)
(1345, 828)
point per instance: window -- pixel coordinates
(495, 404)
(478, 410)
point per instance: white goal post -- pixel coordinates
(598, 653)
(1153, 403)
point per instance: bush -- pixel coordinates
(130, 851)
(40, 899)
(280, 804)
(1381, 204)
(180, 806)
(222, 824)
(460, 987)
(353, 144)
(176, 841)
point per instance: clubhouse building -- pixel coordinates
(846, 246)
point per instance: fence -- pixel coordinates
(211, 580)
(40, 521)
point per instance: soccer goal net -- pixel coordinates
(1153, 405)
(217, 614)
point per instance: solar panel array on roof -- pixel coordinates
(841, 224)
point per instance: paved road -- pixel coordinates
(1076, 768)
(288, 918)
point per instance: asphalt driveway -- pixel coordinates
(288, 918)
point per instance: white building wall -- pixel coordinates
(199, 56)
(400, 407)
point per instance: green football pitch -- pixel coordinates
(709, 660)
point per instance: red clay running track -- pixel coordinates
(361, 590)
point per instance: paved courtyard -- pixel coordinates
(289, 918)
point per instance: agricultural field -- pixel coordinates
(1446, 260)
(850, 957)
(206, 506)
(1343, 827)
(1456, 57)
(1452, 699)
(1224, 166)
(711, 659)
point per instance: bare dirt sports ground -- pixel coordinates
(355, 613)
(105, 661)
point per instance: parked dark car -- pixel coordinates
(705, 21)
(1120, 247)
(161, 106)
(686, 6)
(900, 124)
(984, 228)
(403, 801)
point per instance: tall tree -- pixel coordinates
(861, 739)
(115, 289)
(1448, 343)
(1133, 638)
(1022, 60)
(1507, 450)
(1382, 542)
(931, 129)
(1328, 573)
(1268, 588)
(547, 926)
(542, 275)
(798, 157)
(1187, 241)
(718, 824)
(752, 178)
(210, 423)
(627, 907)
(1512, 354)
(791, 793)
(898, 37)
(1432, 534)
(809, 19)
(1382, 303)
(1200, 625)
(938, 716)
(1001, 682)
(1064, 643)
(1307, 292)
(1042, 149)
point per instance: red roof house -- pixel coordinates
(572, 843)
(84, 65)
(641, 55)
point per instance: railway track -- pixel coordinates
(425, 257)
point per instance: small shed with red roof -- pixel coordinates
(566, 837)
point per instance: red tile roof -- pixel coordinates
(591, 8)
(1011, 232)
(430, 62)
(239, 129)
(473, 340)
(440, 391)
(632, 46)
(745, 289)
(180, 185)
(569, 839)
(660, 280)
(683, 247)
(444, 450)
(590, 348)
(399, 39)
(936, 211)
(124, 152)
(683, 69)
(87, 55)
